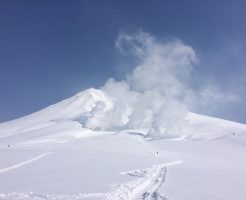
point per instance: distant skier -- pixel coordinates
(233, 133)
(8, 145)
(157, 153)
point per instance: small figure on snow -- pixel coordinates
(157, 153)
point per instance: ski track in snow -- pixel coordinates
(23, 163)
(146, 187)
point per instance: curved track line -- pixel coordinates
(23, 163)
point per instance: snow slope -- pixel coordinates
(70, 115)
(50, 154)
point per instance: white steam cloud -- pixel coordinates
(157, 94)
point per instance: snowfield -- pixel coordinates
(52, 155)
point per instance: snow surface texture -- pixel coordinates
(145, 188)
(51, 154)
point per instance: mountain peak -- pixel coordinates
(91, 108)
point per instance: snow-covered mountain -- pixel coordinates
(68, 119)
(60, 153)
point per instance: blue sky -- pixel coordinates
(50, 50)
